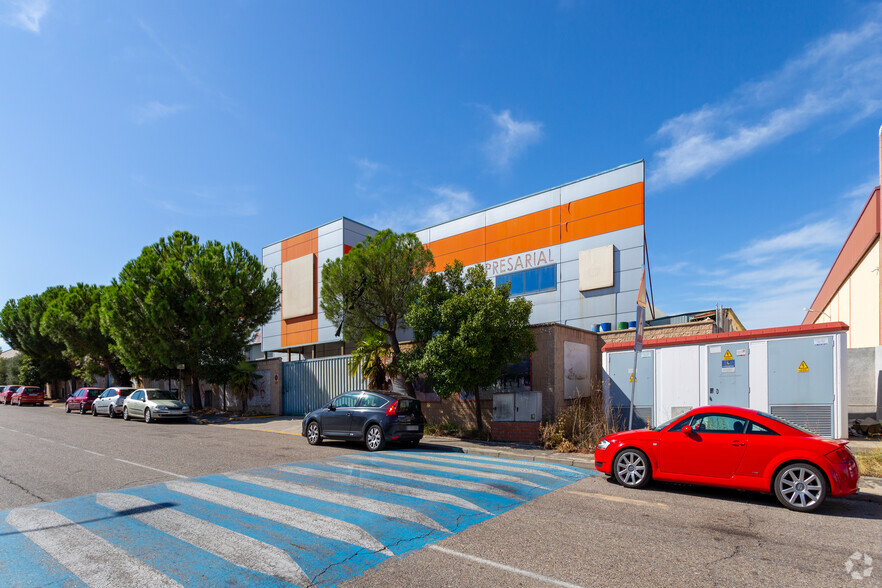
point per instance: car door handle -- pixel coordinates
(738, 443)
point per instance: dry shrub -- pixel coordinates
(869, 462)
(580, 426)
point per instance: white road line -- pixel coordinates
(500, 566)
(65, 540)
(234, 547)
(503, 460)
(384, 486)
(282, 513)
(141, 465)
(385, 509)
(94, 453)
(451, 470)
(481, 464)
(428, 478)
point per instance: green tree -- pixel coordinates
(468, 331)
(185, 302)
(28, 372)
(369, 358)
(20, 326)
(73, 320)
(370, 288)
(244, 383)
(9, 367)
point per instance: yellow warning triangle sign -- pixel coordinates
(632, 378)
(803, 369)
(728, 355)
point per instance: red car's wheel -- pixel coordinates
(801, 487)
(631, 468)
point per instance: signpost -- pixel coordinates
(638, 342)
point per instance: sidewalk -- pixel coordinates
(870, 488)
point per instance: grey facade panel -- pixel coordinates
(272, 260)
(326, 229)
(331, 241)
(524, 206)
(269, 343)
(624, 239)
(274, 248)
(545, 313)
(272, 329)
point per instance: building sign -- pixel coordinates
(521, 261)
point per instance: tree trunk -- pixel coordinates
(396, 352)
(478, 417)
(196, 394)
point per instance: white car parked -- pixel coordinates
(111, 402)
(152, 404)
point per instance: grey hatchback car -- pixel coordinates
(372, 416)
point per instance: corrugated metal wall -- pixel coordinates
(311, 383)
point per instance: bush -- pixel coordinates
(579, 427)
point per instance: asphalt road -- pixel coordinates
(589, 533)
(46, 454)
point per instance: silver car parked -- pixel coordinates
(111, 402)
(152, 404)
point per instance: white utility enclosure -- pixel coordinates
(797, 373)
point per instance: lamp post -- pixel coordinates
(819, 312)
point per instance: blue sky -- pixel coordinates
(121, 122)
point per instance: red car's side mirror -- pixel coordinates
(686, 429)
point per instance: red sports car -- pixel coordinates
(735, 448)
(29, 395)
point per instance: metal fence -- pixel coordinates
(311, 383)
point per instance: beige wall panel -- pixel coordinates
(864, 287)
(596, 268)
(298, 277)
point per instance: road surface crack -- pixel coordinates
(25, 490)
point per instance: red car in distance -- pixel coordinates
(29, 395)
(82, 399)
(733, 447)
(6, 393)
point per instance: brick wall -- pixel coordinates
(457, 412)
(661, 332)
(511, 432)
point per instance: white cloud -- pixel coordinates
(821, 235)
(26, 14)
(436, 205)
(202, 201)
(153, 111)
(836, 79)
(510, 139)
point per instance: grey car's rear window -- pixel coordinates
(372, 401)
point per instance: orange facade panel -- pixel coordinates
(522, 225)
(602, 203)
(467, 257)
(602, 223)
(459, 242)
(300, 245)
(535, 240)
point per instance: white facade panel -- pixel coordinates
(596, 268)
(545, 313)
(332, 240)
(624, 239)
(611, 180)
(524, 206)
(455, 227)
(423, 235)
(298, 277)
(273, 329)
(274, 248)
(336, 225)
(274, 342)
(677, 381)
(758, 375)
(272, 260)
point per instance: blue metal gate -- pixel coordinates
(312, 383)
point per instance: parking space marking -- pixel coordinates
(310, 523)
(147, 467)
(618, 499)
(500, 566)
(491, 466)
(418, 464)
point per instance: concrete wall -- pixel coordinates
(547, 364)
(863, 385)
(661, 332)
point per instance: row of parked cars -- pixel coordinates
(150, 404)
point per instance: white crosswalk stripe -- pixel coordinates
(367, 504)
(236, 548)
(62, 539)
(409, 462)
(431, 479)
(281, 513)
(432, 495)
(491, 466)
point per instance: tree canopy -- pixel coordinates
(468, 331)
(20, 326)
(73, 320)
(186, 302)
(370, 288)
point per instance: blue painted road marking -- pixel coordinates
(309, 523)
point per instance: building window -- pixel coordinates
(532, 281)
